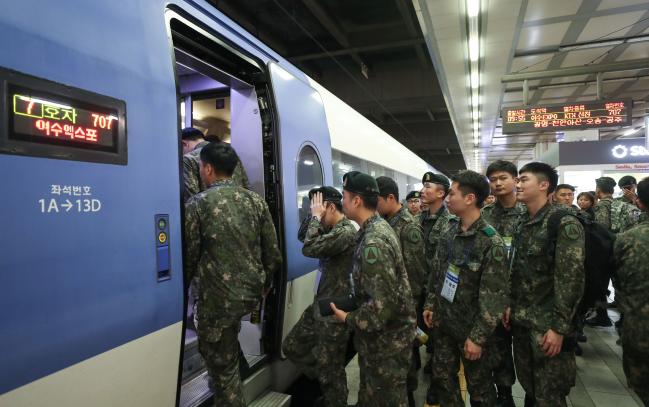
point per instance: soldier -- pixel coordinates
(223, 220)
(414, 205)
(490, 199)
(410, 236)
(628, 185)
(547, 282)
(565, 195)
(384, 322)
(433, 221)
(467, 302)
(193, 141)
(505, 216)
(633, 284)
(318, 344)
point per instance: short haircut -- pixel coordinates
(337, 204)
(470, 182)
(191, 133)
(370, 202)
(504, 166)
(643, 191)
(544, 172)
(565, 186)
(221, 156)
(588, 196)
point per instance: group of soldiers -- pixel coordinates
(497, 296)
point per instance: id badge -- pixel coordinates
(508, 244)
(451, 282)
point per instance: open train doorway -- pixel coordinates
(223, 93)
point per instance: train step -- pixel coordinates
(272, 399)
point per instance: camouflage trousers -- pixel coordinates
(384, 360)
(319, 348)
(547, 379)
(221, 355)
(503, 359)
(635, 355)
(446, 365)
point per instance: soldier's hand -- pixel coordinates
(471, 350)
(340, 315)
(630, 195)
(506, 315)
(428, 318)
(551, 344)
(317, 205)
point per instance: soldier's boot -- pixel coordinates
(529, 401)
(600, 319)
(411, 399)
(431, 396)
(505, 398)
(578, 350)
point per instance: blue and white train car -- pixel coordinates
(92, 98)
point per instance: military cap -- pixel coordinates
(360, 183)
(606, 182)
(413, 195)
(330, 194)
(627, 181)
(436, 179)
(387, 186)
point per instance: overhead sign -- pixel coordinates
(583, 115)
(618, 152)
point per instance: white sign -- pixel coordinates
(620, 151)
(60, 204)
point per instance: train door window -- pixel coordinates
(309, 175)
(222, 92)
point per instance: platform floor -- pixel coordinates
(600, 378)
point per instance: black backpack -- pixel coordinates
(599, 264)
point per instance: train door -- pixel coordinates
(222, 92)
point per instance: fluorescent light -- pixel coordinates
(630, 132)
(476, 125)
(474, 48)
(475, 100)
(475, 79)
(472, 8)
(307, 162)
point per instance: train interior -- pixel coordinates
(225, 107)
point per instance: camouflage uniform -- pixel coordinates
(384, 323)
(506, 221)
(317, 344)
(546, 286)
(477, 257)
(412, 247)
(633, 277)
(602, 211)
(191, 173)
(433, 226)
(220, 221)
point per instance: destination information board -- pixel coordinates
(582, 115)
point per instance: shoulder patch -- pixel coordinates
(498, 253)
(371, 254)
(489, 230)
(413, 235)
(571, 231)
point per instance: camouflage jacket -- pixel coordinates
(633, 274)
(433, 225)
(334, 247)
(478, 258)
(232, 247)
(615, 214)
(192, 176)
(505, 220)
(602, 211)
(380, 283)
(412, 248)
(547, 282)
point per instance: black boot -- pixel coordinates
(411, 399)
(578, 350)
(529, 401)
(431, 396)
(505, 398)
(600, 319)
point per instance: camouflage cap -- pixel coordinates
(360, 183)
(413, 195)
(627, 181)
(436, 179)
(330, 194)
(606, 182)
(387, 186)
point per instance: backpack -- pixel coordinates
(598, 263)
(623, 216)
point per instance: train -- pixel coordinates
(94, 96)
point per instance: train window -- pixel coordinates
(47, 119)
(309, 175)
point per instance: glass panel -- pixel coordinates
(309, 175)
